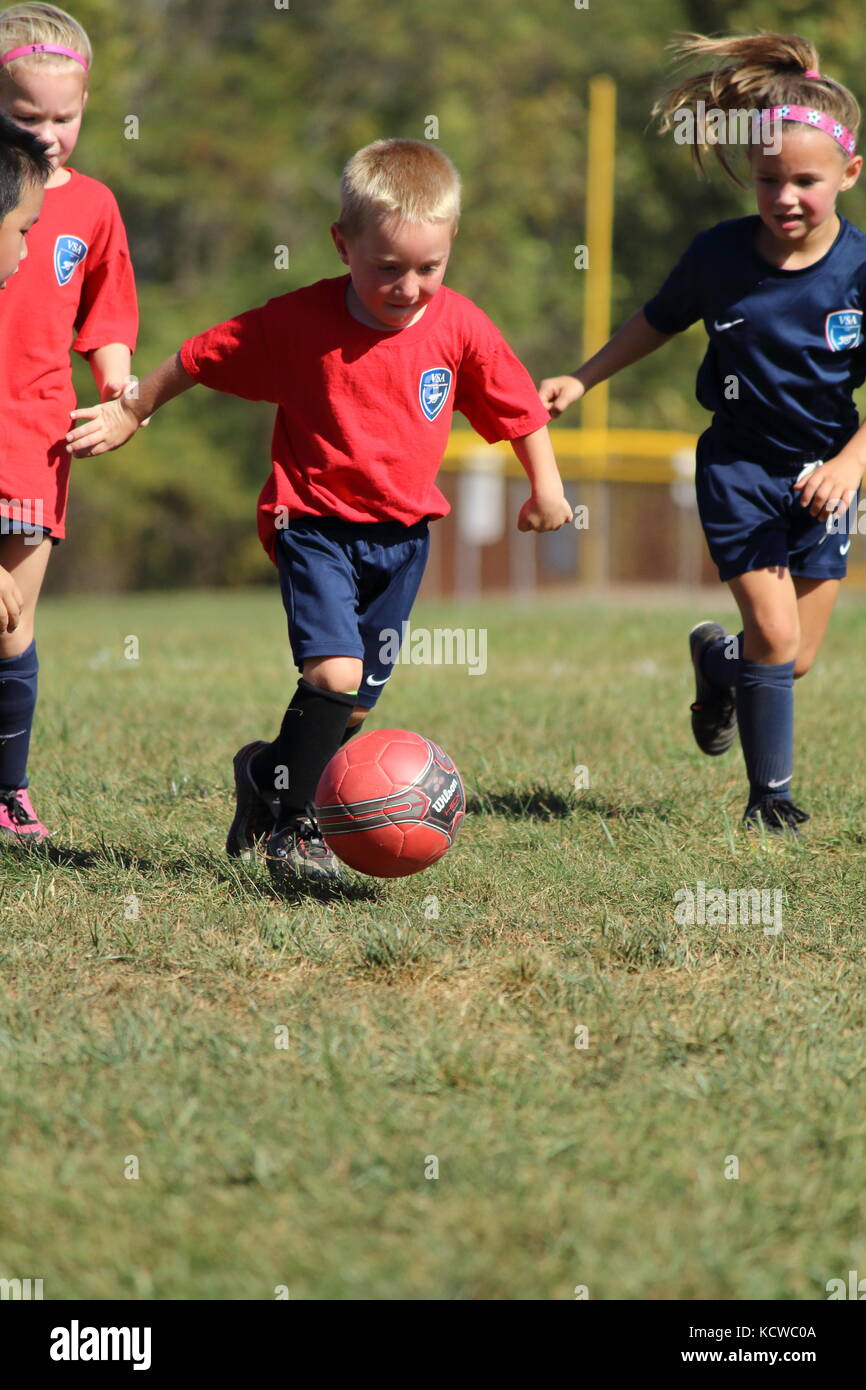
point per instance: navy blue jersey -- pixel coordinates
(786, 348)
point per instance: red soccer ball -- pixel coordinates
(390, 803)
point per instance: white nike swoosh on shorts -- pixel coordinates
(372, 681)
(720, 327)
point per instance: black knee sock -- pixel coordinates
(351, 732)
(312, 728)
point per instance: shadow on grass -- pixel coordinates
(529, 803)
(546, 804)
(236, 873)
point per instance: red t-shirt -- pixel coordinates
(75, 288)
(364, 416)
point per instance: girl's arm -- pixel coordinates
(110, 366)
(546, 509)
(114, 422)
(634, 340)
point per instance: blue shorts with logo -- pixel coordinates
(348, 588)
(753, 519)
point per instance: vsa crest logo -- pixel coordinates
(842, 329)
(433, 390)
(69, 251)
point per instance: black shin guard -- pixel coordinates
(312, 728)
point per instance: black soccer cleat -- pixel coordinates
(255, 810)
(297, 853)
(776, 813)
(714, 712)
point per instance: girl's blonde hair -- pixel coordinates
(37, 23)
(408, 179)
(753, 71)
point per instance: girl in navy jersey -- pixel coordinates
(781, 295)
(74, 289)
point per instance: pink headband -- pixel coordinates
(819, 119)
(42, 48)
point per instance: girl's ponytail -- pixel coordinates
(752, 72)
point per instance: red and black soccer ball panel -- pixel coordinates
(390, 803)
(442, 785)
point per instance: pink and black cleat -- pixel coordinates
(18, 818)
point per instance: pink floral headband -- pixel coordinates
(809, 116)
(42, 48)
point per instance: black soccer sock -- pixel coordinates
(351, 732)
(310, 735)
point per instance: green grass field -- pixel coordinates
(146, 981)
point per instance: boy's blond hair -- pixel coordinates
(407, 179)
(37, 23)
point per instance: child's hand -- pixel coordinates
(113, 390)
(108, 427)
(830, 489)
(11, 602)
(544, 512)
(558, 392)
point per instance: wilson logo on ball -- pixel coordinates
(390, 803)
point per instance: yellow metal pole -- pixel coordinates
(596, 324)
(599, 234)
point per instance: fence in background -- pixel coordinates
(636, 520)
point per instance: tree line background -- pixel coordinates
(246, 114)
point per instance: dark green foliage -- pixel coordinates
(247, 114)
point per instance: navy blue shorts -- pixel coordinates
(753, 519)
(35, 535)
(348, 588)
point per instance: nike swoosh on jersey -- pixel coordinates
(843, 549)
(720, 327)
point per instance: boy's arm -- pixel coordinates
(547, 508)
(634, 340)
(110, 367)
(114, 422)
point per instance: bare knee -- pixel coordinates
(358, 715)
(14, 643)
(803, 664)
(341, 673)
(772, 640)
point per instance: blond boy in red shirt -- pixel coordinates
(366, 370)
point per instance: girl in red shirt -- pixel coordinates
(75, 289)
